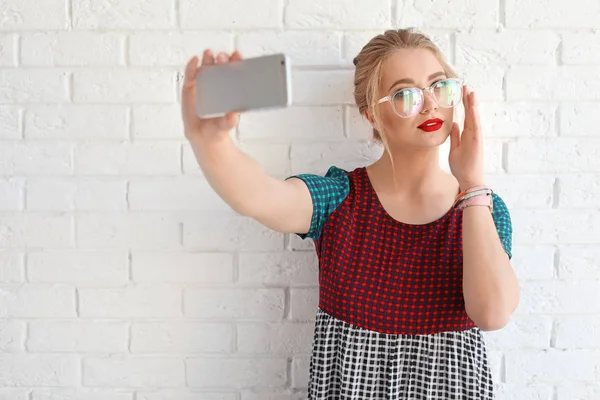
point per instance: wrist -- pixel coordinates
(466, 185)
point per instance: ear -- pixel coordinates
(370, 118)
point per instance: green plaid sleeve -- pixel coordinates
(503, 223)
(327, 193)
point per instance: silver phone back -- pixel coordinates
(254, 83)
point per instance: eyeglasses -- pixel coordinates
(408, 102)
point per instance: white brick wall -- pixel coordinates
(124, 277)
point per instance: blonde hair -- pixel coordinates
(368, 63)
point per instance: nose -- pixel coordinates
(429, 103)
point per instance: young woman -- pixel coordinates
(414, 262)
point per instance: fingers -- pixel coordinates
(236, 56)
(222, 58)
(454, 136)
(190, 73)
(208, 58)
(475, 121)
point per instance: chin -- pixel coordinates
(432, 139)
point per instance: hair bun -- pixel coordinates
(355, 61)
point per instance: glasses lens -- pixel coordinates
(408, 102)
(448, 93)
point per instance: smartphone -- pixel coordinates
(251, 84)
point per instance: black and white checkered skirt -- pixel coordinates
(352, 363)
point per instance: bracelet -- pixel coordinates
(479, 200)
(476, 196)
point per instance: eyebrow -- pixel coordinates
(408, 80)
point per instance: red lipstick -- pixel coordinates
(431, 125)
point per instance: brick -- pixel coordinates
(562, 155)
(174, 48)
(11, 194)
(355, 41)
(295, 243)
(245, 304)
(524, 191)
(522, 333)
(157, 122)
(182, 267)
(82, 394)
(231, 14)
(35, 158)
(77, 266)
(486, 81)
(133, 372)
(8, 50)
(303, 304)
(37, 301)
(579, 262)
(560, 297)
(71, 49)
(322, 87)
(318, 157)
(554, 14)
(531, 83)
(134, 230)
(460, 14)
(39, 370)
(356, 125)
(336, 14)
(554, 227)
(283, 268)
(96, 15)
(12, 336)
(303, 48)
(124, 158)
(579, 119)
(229, 233)
(238, 373)
(14, 394)
(532, 392)
(579, 391)
(187, 395)
(504, 120)
(263, 395)
(577, 332)
(76, 122)
(185, 338)
(181, 193)
(481, 47)
(579, 191)
(10, 122)
(548, 366)
(32, 15)
(36, 230)
(274, 158)
(580, 48)
(23, 86)
(12, 266)
(534, 262)
(139, 301)
(83, 194)
(284, 338)
(300, 372)
(124, 86)
(77, 336)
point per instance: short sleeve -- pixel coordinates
(503, 223)
(327, 193)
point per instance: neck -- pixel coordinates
(413, 170)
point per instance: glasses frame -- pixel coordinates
(428, 89)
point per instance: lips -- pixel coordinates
(431, 125)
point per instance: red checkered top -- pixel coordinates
(384, 275)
